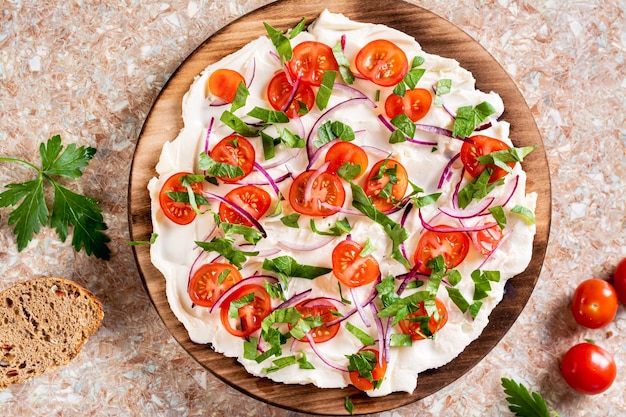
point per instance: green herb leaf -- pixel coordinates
(235, 305)
(344, 64)
(241, 96)
(298, 28)
(400, 340)
(329, 131)
(522, 402)
(153, 237)
(224, 246)
(502, 157)
(444, 86)
(269, 146)
(325, 89)
(249, 234)
(458, 299)
(349, 171)
(468, 118)
(404, 124)
(348, 404)
(341, 226)
(269, 116)
(238, 125)
(218, 169)
(291, 220)
(498, 214)
(478, 188)
(363, 337)
(288, 266)
(280, 42)
(525, 212)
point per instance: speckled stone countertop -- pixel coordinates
(90, 70)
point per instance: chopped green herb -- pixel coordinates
(478, 188)
(523, 403)
(498, 214)
(224, 246)
(341, 226)
(250, 234)
(218, 169)
(269, 116)
(291, 220)
(238, 125)
(325, 89)
(368, 249)
(404, 124)
(468, 118)
(525, 212)
(344, 64)
(363, 337)
(329, 131)
(153, 237)
(289, 267)
(280, 42)
(349, 171)
(241, 96)
(502, 157)
(348, 404)
(400, 340)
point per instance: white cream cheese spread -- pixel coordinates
(434, 166)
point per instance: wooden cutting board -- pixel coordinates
(437, 36)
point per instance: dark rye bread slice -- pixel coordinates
(43, 324)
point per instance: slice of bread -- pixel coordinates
(43, 324)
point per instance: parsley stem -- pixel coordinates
(21, 161)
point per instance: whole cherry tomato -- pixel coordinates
(594, 303)
(588, 368)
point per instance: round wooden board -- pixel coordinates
(437, 36)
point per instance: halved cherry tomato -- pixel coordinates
(453, 246)
(326, 188)
(365, 382)
(310, 60)
(224, 83)
(486, 240)
(374, 185)
(251, 198)
(324, 309)
(279, 92)
(205, 287)
(588, 368)
(352, 269)
(178, 212)
(478, 146)
(234, 150)
(382, 62)
(412, 324)
(251, 314)
(594, 303)
(343, 152)
(619, 280)
(415, 104)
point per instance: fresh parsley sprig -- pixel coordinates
(69, 209)
(523, 403)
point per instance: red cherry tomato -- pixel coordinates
(382, 62)
(178, 212)
(594, 303)
(375, 185)
(224, 83)
(280, 91)
(343, 152)
(326, 188)
(377, 373)
(234, 150)
(311, 60)
(324, 309)
(588, 368)
(479, 146)
(415, 104)
(205, 286)
(251, 198)
(412, 324)
(486, 240)
(352, 269)
(250, 315)
(453, 246)
(619, 280)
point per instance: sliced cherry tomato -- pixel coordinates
(486, 240)
(382, 62)
(352, 269)
(280, 92)
(250, 315)
(343, 152)
(207, 284)
(324, 309)
(594, 303)
(375, 373)
(588, 368)
(619, 280)
(251, 198)
(415, 104)
(326, 188)
(415, 323)
(478, 146)
(453, 246)
(178, 212)
(224, 83)
(310, 60)
(237, 151)
(380, 181)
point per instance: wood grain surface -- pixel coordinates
(436, 35)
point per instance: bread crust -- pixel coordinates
(44, 323)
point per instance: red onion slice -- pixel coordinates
(295, 299)
(208, 135)
(449, 229)
(255, 279)
(318, 152)
(238, 209)
(359, 308)
(383, 348)
(319, 354)
(444, 174)
(468, 213)
(268, 177)
(392, 128)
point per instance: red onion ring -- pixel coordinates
(238, 209)
(468, 213)
(255, 279)
(448, 229)
(329, 363)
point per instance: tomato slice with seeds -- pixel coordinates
(345, 152)
(210, 281)
(486, 240)
(364, 382)
(251, 198)
(453, 246)
(311, 60)
(237, 151)
(382, 62)
(420, 325)
(393, 192)
(250, 315)
(324, 309)
(179, 212)
(415, 104)
(478, 146)
(326, 188)
(223, 83)
(352, 269)
(280, 91)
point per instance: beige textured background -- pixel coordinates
(90, 71)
